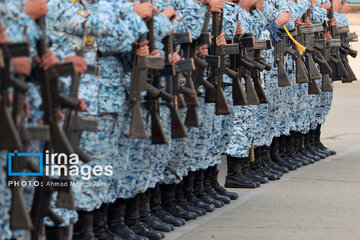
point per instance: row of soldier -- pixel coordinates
(159, 91)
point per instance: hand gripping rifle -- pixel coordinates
(259, 65)
(140, 81)
(13, 131)
(306, 37)
(190, 99)
(244, 66)
(52, 102)
(336, 64)
(171, 73)
(345, 50)
(74, 125)
(216, 73)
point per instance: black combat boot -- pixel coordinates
(274, 154)
(290, 152)
(57, 233)
(83, 228)
(169, 204)
(158, 211)
(116, 220)
(210, 190)
(304, 151)
(259, 169)
(192, 199)
(294, 151)
(320, 153)
(183, 202)
(132, 219)
(218, 188)
(100, 226)
(200, 193)
(148, 218)
(319, 143)
(278, 153)
(308, 150)
(266, 162)
(234, 177)
(271, 163)
(247, 172)
(300, 148)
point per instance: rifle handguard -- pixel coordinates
(19, 85)
(200, 62)
(233, 74)
(182, 38)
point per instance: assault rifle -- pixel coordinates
(190, 100)
(140, 81)
(345, 50)
(74, 125)
(337, 66)
(259, 65)
(52, 102)
(172, 73)
(306, 38)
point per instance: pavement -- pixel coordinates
(319, 201)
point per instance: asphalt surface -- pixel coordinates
(319, 201)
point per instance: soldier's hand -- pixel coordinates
(36, 8)
(82, 106)
(260, 5)
(345, 8)
(216, 6)
(202, 50)
(333, 22)
(308, 21)
(220, 40)
(175, 58)
(143, 50)
(155, 53)
(299, 22)
(336, 5)
(144, 10)
(22, 65)
(328, 36)
(60, 115)
(4, 38)
(313, 2)
(47, 60)
(327, 6)
(79, 62)
(283, 18)
(170, 13)
(238, 29)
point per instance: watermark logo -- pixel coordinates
(57, 165)
(16, 154)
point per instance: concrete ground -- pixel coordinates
(319, 201)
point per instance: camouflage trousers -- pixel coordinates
(155, 157)
(242, 130)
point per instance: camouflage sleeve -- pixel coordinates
(318, 14)
(104, 22)
(191, 19)
(257, 23)
(230, 21)
(162, 26)
(20, 27)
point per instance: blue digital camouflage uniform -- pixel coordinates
(318, 116)
(245, 121)
(154, 158)
(217, 143)
(184, 154)
(15, 21)
(111, 26)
